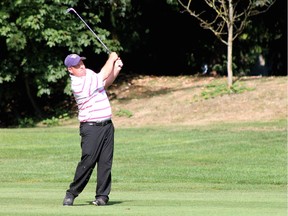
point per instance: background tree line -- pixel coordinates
(152, 37)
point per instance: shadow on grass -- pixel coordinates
(147, 93)
(90, 203)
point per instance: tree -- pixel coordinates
(227, 19)
(35, 37)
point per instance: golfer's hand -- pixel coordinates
(119, 63)
(113, 56)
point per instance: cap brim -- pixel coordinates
(81, 58)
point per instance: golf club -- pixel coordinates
(71, 9)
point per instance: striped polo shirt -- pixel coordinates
(91, 98)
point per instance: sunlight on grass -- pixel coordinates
(221, 169)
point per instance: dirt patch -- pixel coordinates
(177, 100)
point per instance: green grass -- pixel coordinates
(222, 169)
(219, 88)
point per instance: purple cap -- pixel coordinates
(72, 60)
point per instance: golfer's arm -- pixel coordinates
(107, 69)
(112, 76)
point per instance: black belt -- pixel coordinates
(98, 123)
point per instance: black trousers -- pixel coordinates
(97, 144)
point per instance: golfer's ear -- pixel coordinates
(69, 70)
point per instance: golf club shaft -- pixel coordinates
(71, 9)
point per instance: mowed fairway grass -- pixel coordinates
(219, 169)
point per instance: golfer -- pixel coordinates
(96, 127)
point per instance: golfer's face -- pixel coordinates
(78, 70)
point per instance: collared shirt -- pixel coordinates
(91, 98)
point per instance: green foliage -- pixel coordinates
(255, 41)
(34, 27)
(38, 28)
(218, 88)
(55, 121)
(262, 3)
(221, 68)
(124, 113)
(35, 37)
(26, 123)
(51, 121)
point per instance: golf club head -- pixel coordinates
(70, 9)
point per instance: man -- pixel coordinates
(96, 127)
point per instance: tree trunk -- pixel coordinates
(230, 45)
(31, 99)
